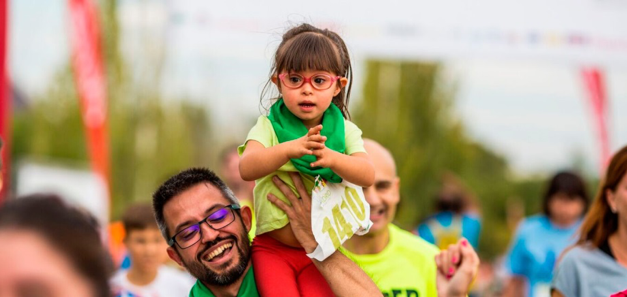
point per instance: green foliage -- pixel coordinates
(149, 140)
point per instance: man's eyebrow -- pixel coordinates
(180, 226)
(383, 183)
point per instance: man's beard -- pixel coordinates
(207, 276)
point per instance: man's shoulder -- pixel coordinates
(407, 241)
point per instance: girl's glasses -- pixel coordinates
(319, 82)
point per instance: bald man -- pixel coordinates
(400, 263)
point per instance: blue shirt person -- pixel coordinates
(445, 228)
(540, 239)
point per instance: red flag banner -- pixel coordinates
(5, 104)
(90, 82)
(595, 86)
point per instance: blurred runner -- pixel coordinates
(454, 218)
(147, 276)
(597, 265)
(541, 238)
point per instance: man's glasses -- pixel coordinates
(217, 220)
(319, 82)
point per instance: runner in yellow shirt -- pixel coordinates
(400, 263)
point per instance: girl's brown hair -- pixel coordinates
(601, 222)
(306, 47)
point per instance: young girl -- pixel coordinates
(306, 131)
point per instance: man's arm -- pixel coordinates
(344, 276)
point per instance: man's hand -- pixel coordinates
(299, 213)
(307, 144)
(343, 276)
(457, 268)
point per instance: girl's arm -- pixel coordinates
(258, 161)
(355, 168)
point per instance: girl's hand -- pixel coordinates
(307, 144)
(325, 158)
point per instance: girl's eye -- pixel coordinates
(295, 79)
(319, 80)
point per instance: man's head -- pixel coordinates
(143, 239)
(384, 195)
(220, 257)
(50, 249)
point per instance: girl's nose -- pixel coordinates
(307, 88)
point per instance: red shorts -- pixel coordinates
(281, 270)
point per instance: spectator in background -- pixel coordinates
(50, 249)
(243, 190)
(400, 263)
(147, 276)
(454, 218)
(541, 238)
(597, 264)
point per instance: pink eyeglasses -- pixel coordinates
(319, 82)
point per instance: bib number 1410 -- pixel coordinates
(339, 228)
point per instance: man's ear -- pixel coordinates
(396, 185)
(174, 256)
(247, 217)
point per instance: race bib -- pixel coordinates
(337, 212)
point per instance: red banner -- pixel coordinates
(595, 86)
(90, 82)
(5, 104)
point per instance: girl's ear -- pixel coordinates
(275, 81)
(342, 83)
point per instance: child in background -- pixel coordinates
(147, 276)
(306, 131)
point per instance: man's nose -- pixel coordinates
(371, 196)
(208, 233)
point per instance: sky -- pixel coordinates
(517, 65)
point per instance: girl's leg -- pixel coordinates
(274, 267)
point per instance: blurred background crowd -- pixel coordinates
(494, 111)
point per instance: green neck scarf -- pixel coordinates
(289, 127)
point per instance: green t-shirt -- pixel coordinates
(270, 217)
(405, 268)
(247, 289)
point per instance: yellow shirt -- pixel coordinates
(406, 266)
(270, 217)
